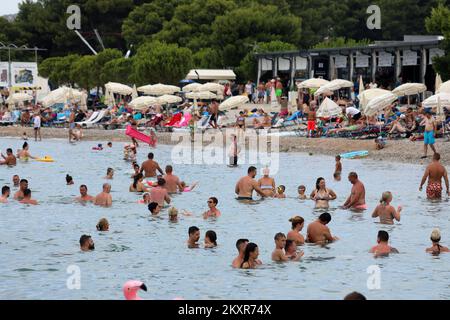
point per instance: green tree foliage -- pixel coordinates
(83, 72)
(57, 69)
(157, 61)
(118, 70)
(341, 42)
(207, 58)
(100, 60)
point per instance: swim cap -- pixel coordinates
(436, 235)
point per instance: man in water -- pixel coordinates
(357, 198)
(84, 197)
(245, 186)
(241, 244)
(194, 236)
(430, 129)
(154, 208)
(280, 242)
(27, 198)
(173, 183)
(109, 174)
(318, 232)
(23, 185)
(159, 194)
(5, 194)
(9, 159)
(150, 166)
(434, 173)
(383, 248)
(16, 180)
(104, 198)
(213, 211)
(86, 243)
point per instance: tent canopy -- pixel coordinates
(211, 74)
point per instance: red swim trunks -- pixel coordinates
(434, 190)
(311, 125)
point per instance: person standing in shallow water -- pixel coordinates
(436, 248)
(385, 211)
(434, 173)
(357, 198)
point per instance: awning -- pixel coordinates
(210, 74)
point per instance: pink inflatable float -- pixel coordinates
(151, 140)
(131, 287)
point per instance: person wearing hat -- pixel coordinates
(436, 248)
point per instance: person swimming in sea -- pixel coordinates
(297, 226)
(436, 248)
(187, 188)
(24, 153)
(302, 192)
(382, 248)
(212, 212)
(102, 225)
(251, 254)
(280, 192)
(69, 180)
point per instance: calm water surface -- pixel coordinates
(37, 244)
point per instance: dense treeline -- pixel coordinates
(167, 37)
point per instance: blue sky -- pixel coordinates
(9, 7)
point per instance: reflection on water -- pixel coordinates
(39, 243)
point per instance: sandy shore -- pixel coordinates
(403, 151)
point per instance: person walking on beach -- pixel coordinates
(311, 120)
(434, 173)
(430, 129)
(104, 198)
(357, 198)
(214, 108)
(234, 151)
(150, 166)
(246, 185)
(37, 126)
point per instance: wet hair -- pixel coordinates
(109, 170)
(102, 224)
(68, 178)
(325, 217)
(251, 169)
(212, 236)
(173, 212)
(25, 144)
(152, 206)
(193, 230)
(355, 296)
(318, 182)
(26, 192)
(239, 242)
(385, 197)
(150, 155)
(353, 174)
(169, 168)
(251, 247)
(279, 235)
(83, 239)
(383, 236)
(161, 182)
(136, 179)
(437, 156)
(288, 244)
(214, 200)
(9, 150)
(5, 189)
(296, 220)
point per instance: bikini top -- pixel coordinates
(319, 197)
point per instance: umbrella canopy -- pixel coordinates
(233, 102)
(441, 98)
(313, 83)
(438, 82)
(339, 84)
(168, 99)
(192, 87)
(211, 86)
(444, 88)
(134, 94)
(62, 95)
(119, 88)
(201, 95)
(143, 102)
(323, 90)
(328, 109)
(369, 94)
(18, 97)
(409, 89)
(159, 89)
(361, 85)
(379, 103)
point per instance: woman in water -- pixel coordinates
(24, 154)
(138, 185)
(210, 239)
(109, 173)
(436, 248)
(385, 211)
(136, 169)
(102, 225)
(267, 184)
(251, 257)
(297, 226)
(69, 180)
(322, 195)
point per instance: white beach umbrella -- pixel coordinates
(233, 102)
(313, 83)
(379, 103)
(211, 86)
(159, 89)
(18, 97)
(409, 89)
(143, 102)
(361, 85)
(201, 95)
(192, 87)
(119, 88)
(328, 108)
(367, 95)
(438, 82)
(323, 90)
(134, 94)
(339, 84)
(444, 88)
(441, 98)
(168, 99)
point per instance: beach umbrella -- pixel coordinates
(18, 97)
(409, 89)
(168, 99)
(379, 103)
(339, 84)
(142, 103)
(441, 98)
(367, 95)
(361, 85)
(438, 82)
(328, 108)
(159, 89)
(211, 86)
(119, 88)
(233, 102)
(444, 88)
(191, 87)
(201, 95)
(313, 83)
(134, 94)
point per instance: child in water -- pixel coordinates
(24, 136)
(280, 192)
(188, 188)
(301, 192)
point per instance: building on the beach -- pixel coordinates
(385, 62)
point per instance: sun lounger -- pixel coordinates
(91, 118)
(96, 121)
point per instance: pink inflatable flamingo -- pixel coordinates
(131, 287)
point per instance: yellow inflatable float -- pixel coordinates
(45, 159)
